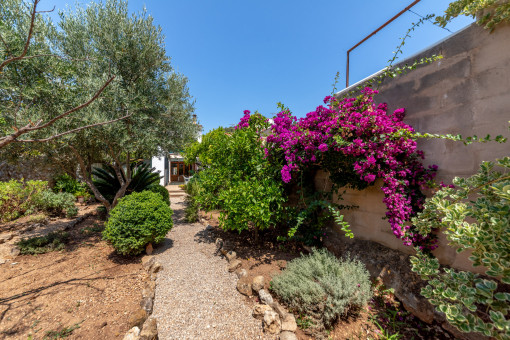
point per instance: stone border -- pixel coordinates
(275, 319)
(145, 327)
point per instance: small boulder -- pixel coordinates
(231, 255)
(219, 245)
(149, 249)
(15, 252)
(149, 290)
(149, 330)
(279, 309)
(244, 287)
(138, 318)
(156, 267)
(271, 322)
(258, 283)
(265, 297)
(289, 323)
(147, 303)
(241, 273)
(147, 262)
(286, 335)
(132, 334)
(259, 310)
(234, 265)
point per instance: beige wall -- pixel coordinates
(468, 93)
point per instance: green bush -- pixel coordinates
(192, 206)
(43, 244)
(474, 216)
(323, 287)
(16, 198)
(66, 183)
(58, 204)
(159, 189)
(137, 220)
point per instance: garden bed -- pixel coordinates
(383, 317)
(85, 289)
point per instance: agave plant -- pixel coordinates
(106, 181)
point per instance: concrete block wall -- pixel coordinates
(468, 93)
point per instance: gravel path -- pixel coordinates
(196, 297)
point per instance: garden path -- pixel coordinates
(196, 297)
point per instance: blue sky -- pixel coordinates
(242, 54)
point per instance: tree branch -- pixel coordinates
(32, 127)
(70, 131)
(29, 37)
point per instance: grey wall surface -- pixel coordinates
(468, 93)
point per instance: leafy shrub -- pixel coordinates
(251, 202)
(475, 216)
(16, 197)
(159, 189)
(137, 220)
(323, 287)
(58, 204)
(39, 245)
(66, 183)
(193, 190)
(106, 181)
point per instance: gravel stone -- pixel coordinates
(196, 298)
(265, 297)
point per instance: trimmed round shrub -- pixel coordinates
(137, 220)
(162, 191)
(323, 287)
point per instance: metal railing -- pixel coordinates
(373, 33)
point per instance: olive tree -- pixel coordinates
(146, 89)
(38, 84)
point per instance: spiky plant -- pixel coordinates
(106, 180)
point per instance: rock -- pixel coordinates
(279, 309)
(289, 323)
(149, 289)
(258, 283)
(286, 335)
(104, 324)
(147, 304)
(219, 243)
(259, 310)
(271, 322)
(149, 249)
(15, 251)
(149, 330)
(132, 334)
(241, 273)
(147, 262)
(265, 297)
(244, 287)
(234, 265)
(231, 255)
(138, 318)
(156, 267)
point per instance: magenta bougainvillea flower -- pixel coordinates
(369, 134)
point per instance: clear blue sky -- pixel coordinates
(249, 55)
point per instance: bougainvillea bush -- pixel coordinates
(357, 142)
